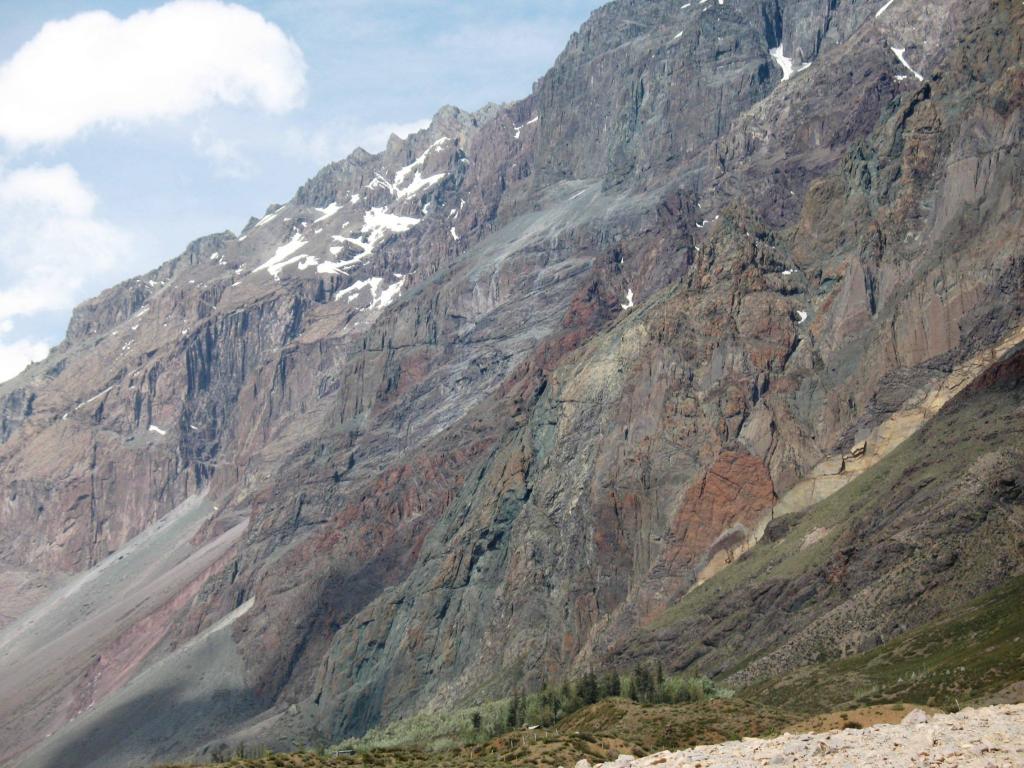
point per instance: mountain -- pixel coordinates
(625, 369)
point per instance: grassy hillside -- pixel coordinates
(946, 664)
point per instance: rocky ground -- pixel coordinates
(992, 737)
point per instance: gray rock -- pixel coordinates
(915, 717)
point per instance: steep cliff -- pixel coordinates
(480, 409)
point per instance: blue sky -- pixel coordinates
(127, 133)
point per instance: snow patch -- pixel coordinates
(801, 317)
(327, 212)
(418, 184)
(403, 190)
(380, 297)
(899, 55)
(884, 8)
(786, 64)
(283, 256)
(629, 300)
(378, 224)
(155, 428)
(518, 129)
(267, 219)
(329, 268)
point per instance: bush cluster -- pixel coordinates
(645, 684)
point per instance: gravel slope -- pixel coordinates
(990, 737)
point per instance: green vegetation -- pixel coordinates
(598, 732)
(947, 664)
(645, 684)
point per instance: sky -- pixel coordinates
(128, 129)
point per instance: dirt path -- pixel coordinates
(990, 737)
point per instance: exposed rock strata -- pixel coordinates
(496, 396)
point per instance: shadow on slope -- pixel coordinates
(155, 725)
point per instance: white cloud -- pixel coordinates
(57, 187)
(53, 247)
(187, 55)
(14, 357)
(230, 158)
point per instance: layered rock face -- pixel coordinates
(467, 413)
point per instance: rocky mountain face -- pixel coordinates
(484, 408)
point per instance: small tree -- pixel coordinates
(568, 703)
(612, 685)
(587, 690)
(513, 711)
(643, 683)
(477, 722)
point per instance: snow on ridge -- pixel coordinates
(327, 212)
(899, 55)
(403, 173)
(378, 224)
(403, 187)
(268, 218)
(419, 183)
(283, 256)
